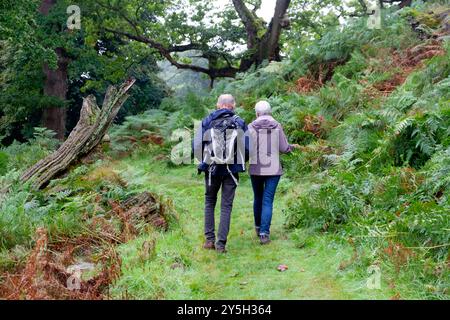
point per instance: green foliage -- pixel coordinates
(3, 162)
(262, 83)
(23, 211)
(387, 179)
(344, 97)
(324, 208)
(28, 40)
(23, 155)
(174, 113)
(63, 208)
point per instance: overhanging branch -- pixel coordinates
(166, 53)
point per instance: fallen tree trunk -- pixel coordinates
(88, 132)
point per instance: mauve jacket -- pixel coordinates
(263, 160)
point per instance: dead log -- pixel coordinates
(89, 131)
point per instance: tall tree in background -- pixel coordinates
(55, 85)
(171, 27)
(34, 76)
(38, 85)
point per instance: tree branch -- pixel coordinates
(166, 53)
(276, 26)
(363, 4)
(257, 6)
(248, 18)
(185, 47)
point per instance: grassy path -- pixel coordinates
(181, 269)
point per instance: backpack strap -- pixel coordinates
(235, 118)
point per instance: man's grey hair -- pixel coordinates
(226, 101)
(263, 108)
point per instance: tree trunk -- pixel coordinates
(405, 3)
(55, 85)
(273, 36)
(268, 46)
(88, 132)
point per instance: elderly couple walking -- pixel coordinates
(223, 145)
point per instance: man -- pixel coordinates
(222, 149)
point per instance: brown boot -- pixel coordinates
(221, 250)
(264, 239)
(209, 245)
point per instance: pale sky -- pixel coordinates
(266, 12)
(267, 9)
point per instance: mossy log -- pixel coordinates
(89, 131)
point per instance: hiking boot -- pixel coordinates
(257, 229)
(209, 245)
(264, 239)
(221, 250)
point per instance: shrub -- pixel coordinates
(325, 207)
(3, 162)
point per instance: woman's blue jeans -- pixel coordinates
(264, 188)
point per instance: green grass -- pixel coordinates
(181, 269)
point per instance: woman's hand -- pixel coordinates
(296, 146)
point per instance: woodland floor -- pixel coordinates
(181, 269)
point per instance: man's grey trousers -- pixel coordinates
(228, 186)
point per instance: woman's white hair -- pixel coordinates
(263, 108)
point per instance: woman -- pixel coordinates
(267, 142)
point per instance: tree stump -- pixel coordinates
(89, 131)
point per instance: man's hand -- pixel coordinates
(296, 146)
